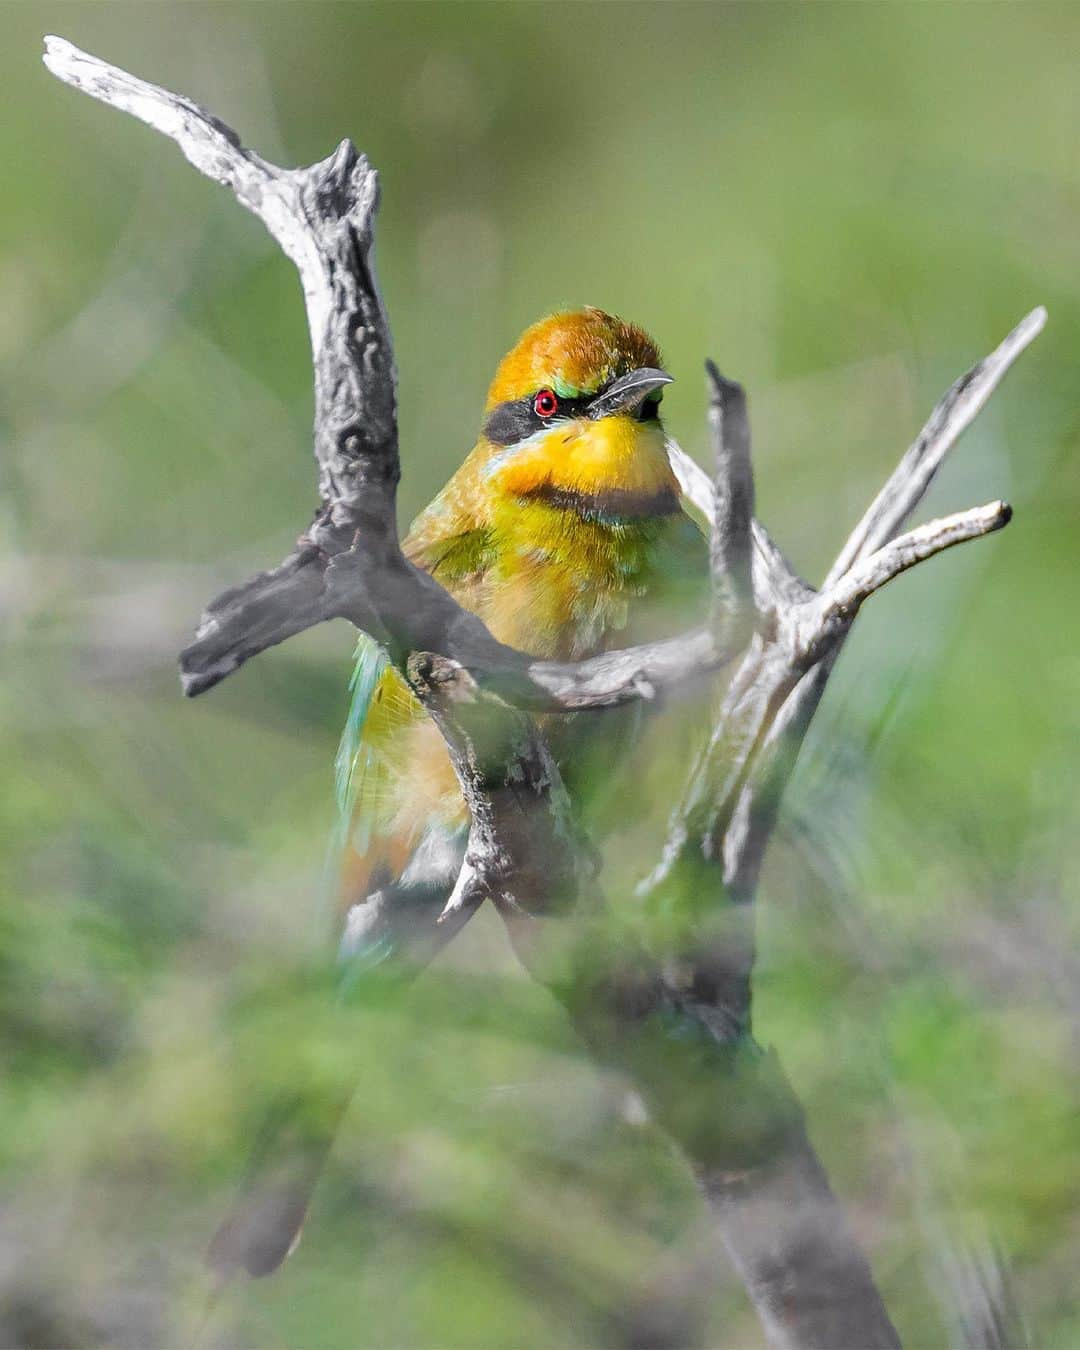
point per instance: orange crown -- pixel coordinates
(574, 353)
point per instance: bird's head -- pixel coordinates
(574, 409)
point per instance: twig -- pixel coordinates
(869, 572)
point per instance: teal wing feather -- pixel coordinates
(355, 757)
(352, 766)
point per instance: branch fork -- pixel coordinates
(676, 1016)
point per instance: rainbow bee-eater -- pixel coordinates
(565, 531)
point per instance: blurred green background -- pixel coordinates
(845, 205)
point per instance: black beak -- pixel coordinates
(627, 392)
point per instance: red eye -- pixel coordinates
(545, 404)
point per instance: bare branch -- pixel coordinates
(214, 149)
(791, 1243)
(523, 850)
(774, 1215)
(304, 590)
(870, 572)
(249, 618)
(619, 676)
(733, 508)
(695, 483)
(730, 1108)
(775, 581)
(755, 813)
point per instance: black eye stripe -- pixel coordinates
(511, 422)
(508, 423)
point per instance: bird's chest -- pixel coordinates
(564, 586)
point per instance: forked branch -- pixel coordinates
(674, 1012)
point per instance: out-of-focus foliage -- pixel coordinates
(844, 205)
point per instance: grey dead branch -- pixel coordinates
(721, 1097)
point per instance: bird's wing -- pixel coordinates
(451, 537)
(356, 757)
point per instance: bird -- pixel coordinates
(566, 531)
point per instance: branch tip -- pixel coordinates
(868, 574)
(1031, 325)
(468, 893)
(721, 389)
